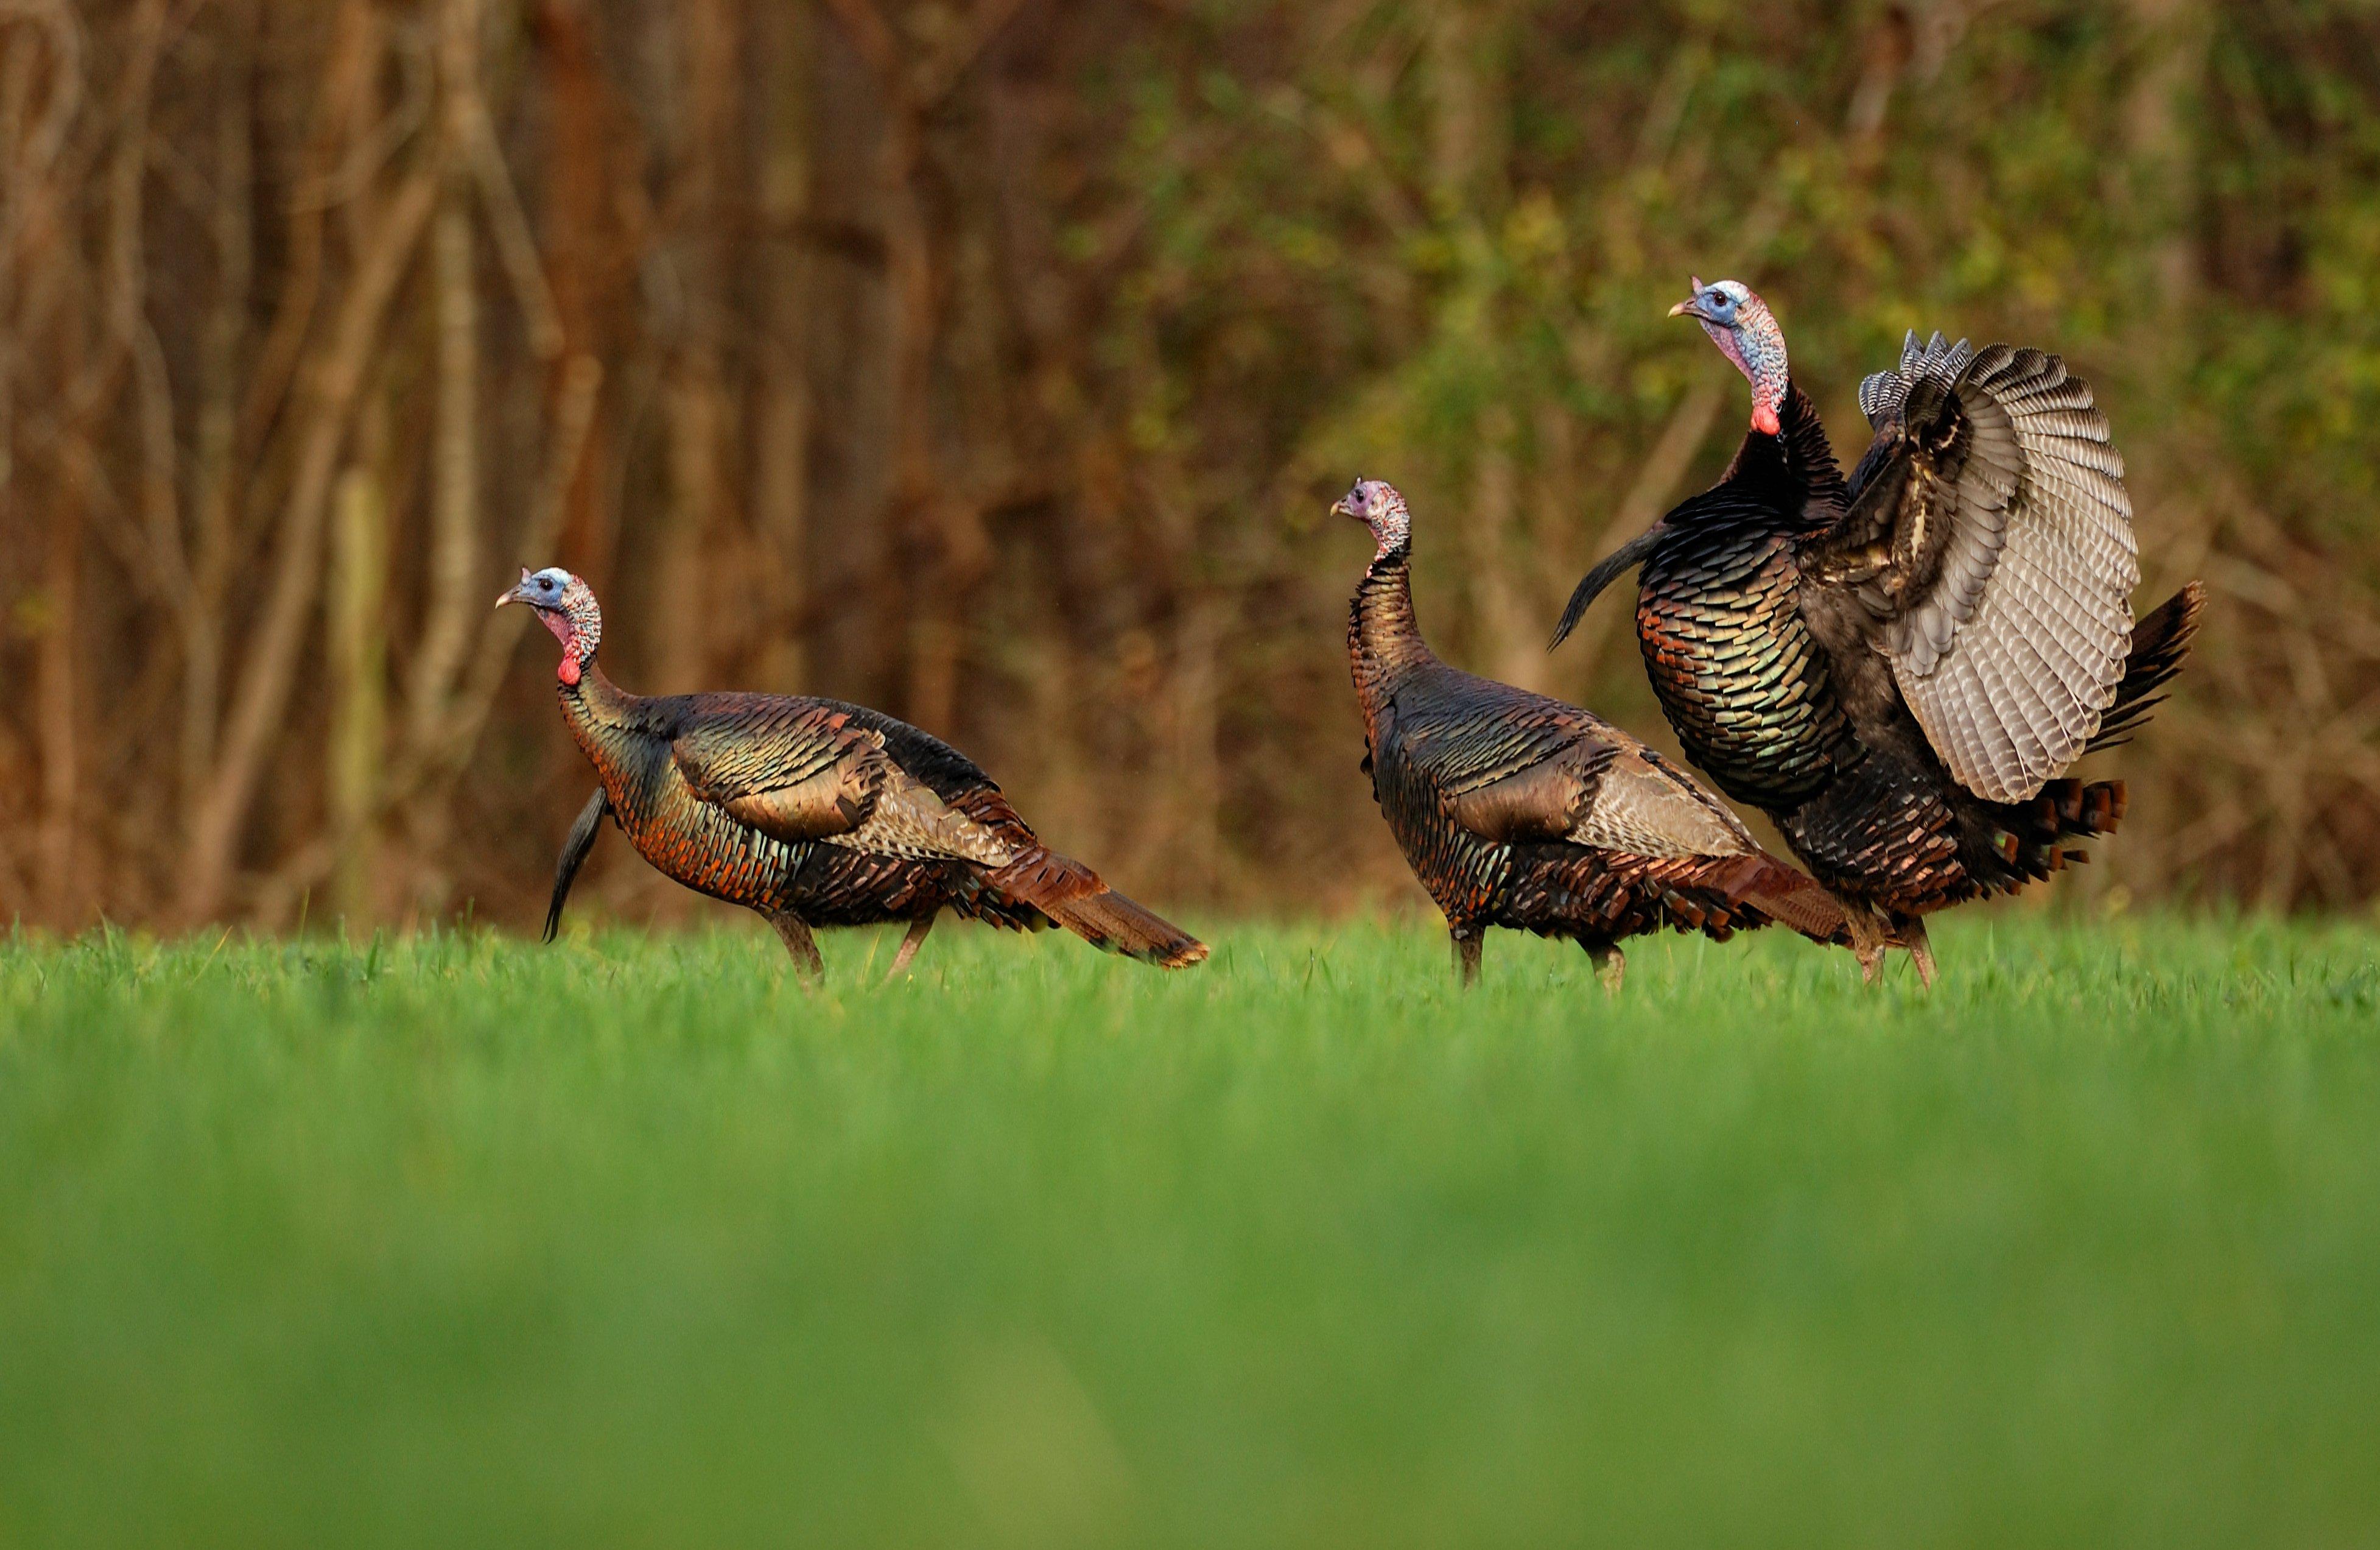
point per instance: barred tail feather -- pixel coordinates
(2029, 833)
(1073, 895)
(1110, 921)
(1787, 895)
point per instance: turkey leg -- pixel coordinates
(1611, 964)
(909, 946)
(1867, 940)
(798, 941)
(1466, 955)
(1911, 932)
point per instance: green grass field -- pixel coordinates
(629, 1242)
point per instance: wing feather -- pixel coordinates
(1513, 767)
(2007, 634)
(796, 770)
(800, 770)
(1645, 806)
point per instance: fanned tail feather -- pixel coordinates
(2160, 642)
(2064, 809)
(1073, 895)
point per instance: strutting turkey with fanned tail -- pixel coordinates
(814, 812)
(1900, 669)
(1518, 810)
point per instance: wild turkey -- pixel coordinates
(814, 812)
(1899, 669)
(1518, 810)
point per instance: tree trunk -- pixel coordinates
(681, 624)
(61, 884)
(271, 666)
(357, 600)
(850, 360)
(780, 450)
(457, 550)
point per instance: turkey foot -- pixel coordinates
(909, 946)
(1910, 929)
(1867, 942)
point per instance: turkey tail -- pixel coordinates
(1072, 895)
(2071, 807)
(1785, 895)
(1108, 921)
(2160, 642)
(2030, 831)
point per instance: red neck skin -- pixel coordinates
(1757, 347)
(567, 633)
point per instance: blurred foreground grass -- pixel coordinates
(631, 1242)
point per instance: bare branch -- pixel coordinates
(265, 686)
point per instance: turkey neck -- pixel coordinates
(603, 718)
(1383, 640)
(1796, 465)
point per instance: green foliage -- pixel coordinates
(1436, 243)
(457, 1241)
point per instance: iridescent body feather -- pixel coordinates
(1899, 669)
(814, 812)
(1518, 810)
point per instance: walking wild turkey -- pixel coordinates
(1520, 812)
(814, 812)
(1900, 669)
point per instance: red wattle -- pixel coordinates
(1763, 419)
(568, 671)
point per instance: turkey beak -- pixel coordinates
(513, 592)
(1341, 508)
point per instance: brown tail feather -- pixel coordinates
(2070, 807)
(1072, 895)
(1787, 895)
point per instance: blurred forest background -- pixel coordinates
(994, 361)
